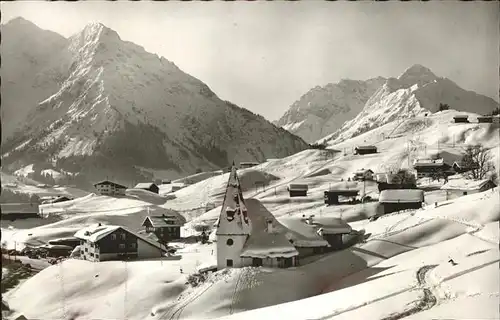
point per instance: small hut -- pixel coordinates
(298, 190)
(461, 119)
(332, 196)
(365, 150)
(393, 200)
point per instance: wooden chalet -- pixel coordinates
(461, 119)
(165, 227)
(297, 190)
(148, 186)
(430, 167)
(461, 187)
(400, 199)
(16, 211)
(109, 188)
(108, 242)
(363, 174)
(365, 150)
(485, 119)
(332, 196)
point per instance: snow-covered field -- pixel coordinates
(402, 269)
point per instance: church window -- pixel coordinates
(229, 242)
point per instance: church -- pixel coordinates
(246, 236)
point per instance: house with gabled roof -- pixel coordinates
(148, 186)
(166, 227)
(392, 200)
(110, 242)
(110, 188)
(461, 187)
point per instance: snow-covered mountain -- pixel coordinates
(415, 92)
(102, 106)
(323, 110)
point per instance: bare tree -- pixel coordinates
(403, 176)
(478, 161)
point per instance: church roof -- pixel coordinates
(233, 218)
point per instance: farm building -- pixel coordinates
(461, 119)
(461, 187)
(148, 186)
(363, 174)
(15, 211)
(485, 119)
(165, 227)
(365, 150)
(245, 165)
(108, 242)
(109, 188)
(400, 199)
(332, 196)
(430, 167)
(297, 190)
(331, 229)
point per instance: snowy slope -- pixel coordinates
(113, 96)
(376, 279)
(323, 110)
(415, 92)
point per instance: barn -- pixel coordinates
(365, 150)
(148, 186)
(400, 199)
(297, 190)
(461, 187)
(461, 119)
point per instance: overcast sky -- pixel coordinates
(264, 55)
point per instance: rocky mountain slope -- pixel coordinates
(323, 110)
(104, 107)
(415, 92)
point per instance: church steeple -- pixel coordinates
(233, 219)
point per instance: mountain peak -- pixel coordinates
(417, 70)
(98, 30)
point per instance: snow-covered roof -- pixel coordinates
(233, 218)
(363, 171)
(428, 162)
(401, 195)
(97, 232)
(297, 186)
(163, 220)
(268, 245)
(302, 234)
(365, 147)
(331, 225)
(464, 184)
(144, 185)
(107, 182)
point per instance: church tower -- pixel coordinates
(234, 226)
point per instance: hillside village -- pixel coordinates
(132, 191)
(290, 213)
